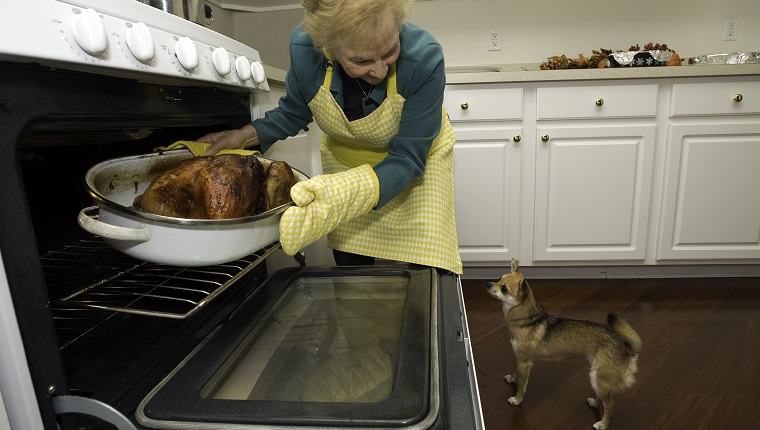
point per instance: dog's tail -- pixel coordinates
(623, 329)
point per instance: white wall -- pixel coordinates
(533, 30)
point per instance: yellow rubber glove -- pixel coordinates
(198, 148)
(323, 202)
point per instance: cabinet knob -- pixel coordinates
(738, 98)
(599, 102)
(544, 137)
(516, 138)
(465, 105)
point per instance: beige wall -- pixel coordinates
(533, 30)
(268, 32)
(223, 22)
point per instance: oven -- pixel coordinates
(96, 339)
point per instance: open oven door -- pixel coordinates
(374, 347)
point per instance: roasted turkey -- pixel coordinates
(277, 184)
(213, 187)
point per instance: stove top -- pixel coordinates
(129, 39)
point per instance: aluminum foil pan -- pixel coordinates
(638, 58)
(732, 58)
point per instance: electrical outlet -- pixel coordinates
(730, 28)
(494, 39)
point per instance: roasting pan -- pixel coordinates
(114, 184)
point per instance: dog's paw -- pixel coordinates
(599, 426)
(594, 403)
(510, 378)
(513, 401)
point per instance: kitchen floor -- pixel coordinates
(698, 368)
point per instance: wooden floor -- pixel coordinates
(699, 367)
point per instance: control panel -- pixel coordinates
(162, 48)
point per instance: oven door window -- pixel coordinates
(325, 348)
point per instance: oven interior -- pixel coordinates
(94, 322)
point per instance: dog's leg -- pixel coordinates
(604, 399)
(511, 377)
(522, 372)
(604, 381)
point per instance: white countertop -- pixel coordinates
(532, 73)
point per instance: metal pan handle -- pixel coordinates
(87, 219)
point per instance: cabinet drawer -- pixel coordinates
(597, 102)
(717, 98)
(483, 103)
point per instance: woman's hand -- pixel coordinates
(325, 201)
(240, 138)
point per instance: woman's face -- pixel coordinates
(370, 64)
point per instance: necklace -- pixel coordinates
(366, 93)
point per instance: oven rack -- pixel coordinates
(91, 274)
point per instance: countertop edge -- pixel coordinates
(603, 74)
(277, 76)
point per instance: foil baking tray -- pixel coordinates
(727, 58)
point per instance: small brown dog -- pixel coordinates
(612, 350)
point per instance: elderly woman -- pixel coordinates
(374, 85)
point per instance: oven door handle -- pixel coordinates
(87, 219)
(95, 408)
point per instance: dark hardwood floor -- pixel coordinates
(699, 367)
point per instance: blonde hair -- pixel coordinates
(356, 24)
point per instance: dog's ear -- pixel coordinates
(522, 290)
(514, 265)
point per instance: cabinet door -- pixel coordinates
(487, 180)
(711, 196)
(593, 189)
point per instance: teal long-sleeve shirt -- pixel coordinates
(420, 79)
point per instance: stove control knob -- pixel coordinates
(243, 68)
(187, 53)
(221, 61)
(89, 32)
(140, 42)
(257, 71)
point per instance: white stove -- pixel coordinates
(86, 79)
(130, 39)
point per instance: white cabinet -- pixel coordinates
(487, 179)
(711, 190)
(487, 170)
(711, 204)
(593, 188)
(597, 102)
(485, 102)
(593, 172)
(715, 98)
(624, 173)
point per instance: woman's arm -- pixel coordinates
(292, 113)
(420, 122)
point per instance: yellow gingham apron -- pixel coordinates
(419, 225)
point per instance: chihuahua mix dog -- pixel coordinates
(612, 350)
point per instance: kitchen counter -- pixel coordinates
(275, 75)
(532, 73)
